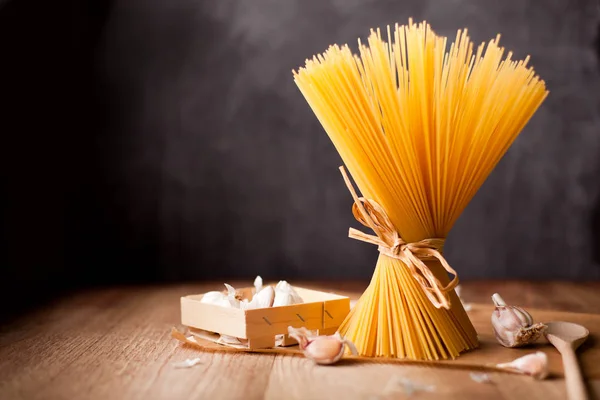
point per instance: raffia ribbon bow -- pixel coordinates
(389, 242)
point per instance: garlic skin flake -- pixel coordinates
(406, 385)
(189, 363)
(535, 365)
(286, 295)
(322, 350)
(480, 377)
(513, 326)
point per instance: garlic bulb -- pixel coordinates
(535, 365)
(285, 295)
(514, 326)
(321, 349)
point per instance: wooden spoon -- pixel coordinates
(567, 337)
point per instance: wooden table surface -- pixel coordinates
(114, 344)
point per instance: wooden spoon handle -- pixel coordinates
(575, 384)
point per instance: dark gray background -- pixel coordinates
(166, 140)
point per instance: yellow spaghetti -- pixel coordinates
(419, 127)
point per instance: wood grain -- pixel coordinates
(114, 343)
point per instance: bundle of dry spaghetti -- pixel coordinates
(419, 126)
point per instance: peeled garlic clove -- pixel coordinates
(321, 349)
(535, 365)
(286, 295)
(513, 326)
(233, 292)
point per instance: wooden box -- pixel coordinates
(320, 311)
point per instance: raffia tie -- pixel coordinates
(389, 242)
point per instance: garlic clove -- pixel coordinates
(262, 299)
(216, 298)
(523, 318)
(535, 365)
(286, 295)
(282, 299)
(212, 297)
(231, 291)
(258, 284)
(233, 296)
(513, 326)
(265, 297)
(322, 350)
